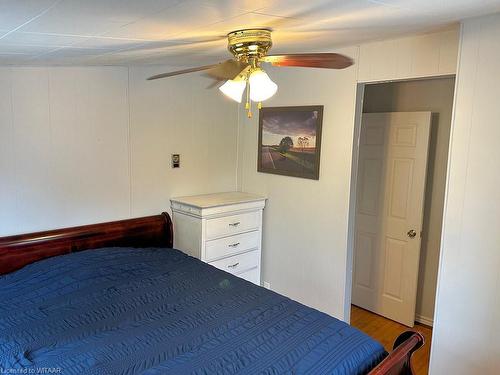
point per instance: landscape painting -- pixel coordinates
(290, 141)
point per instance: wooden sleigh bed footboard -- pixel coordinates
(398, 362)
(152, 231)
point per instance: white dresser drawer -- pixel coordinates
(252, 275)
(238, 263)
(226, 246)
(228, 225)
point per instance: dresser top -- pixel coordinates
(218, 199)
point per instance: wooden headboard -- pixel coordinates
(20, 250)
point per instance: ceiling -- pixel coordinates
(191, 32)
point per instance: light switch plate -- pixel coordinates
(176, 160)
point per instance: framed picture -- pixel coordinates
(290, 141)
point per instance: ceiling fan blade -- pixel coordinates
(184, 71)
(310, 60)
(229, 69)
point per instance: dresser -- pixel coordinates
(223, 229)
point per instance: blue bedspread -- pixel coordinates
(159, 311)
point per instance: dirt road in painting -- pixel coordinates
(272, 159)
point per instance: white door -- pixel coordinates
(389, 210)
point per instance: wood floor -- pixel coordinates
(385, 331)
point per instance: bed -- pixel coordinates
(115, 298)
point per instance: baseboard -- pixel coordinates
(424, 320)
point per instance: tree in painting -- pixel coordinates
(285, 145)
(303, 143)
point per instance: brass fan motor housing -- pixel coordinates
(249, 44)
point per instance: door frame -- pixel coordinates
(351, 223)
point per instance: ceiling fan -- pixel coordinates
(249, 48)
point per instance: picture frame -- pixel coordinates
(290, 141)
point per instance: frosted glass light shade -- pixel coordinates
(261, 86)
(233, 89)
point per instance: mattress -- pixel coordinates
(159, 311)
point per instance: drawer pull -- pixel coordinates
(233, 265)
(234, 224)
(234, 244)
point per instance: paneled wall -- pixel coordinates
(467, 322)
(420, 56)
(64, 135)
(179, 115)
(83, 145)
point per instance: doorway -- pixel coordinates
(395, 252)
(392, 168)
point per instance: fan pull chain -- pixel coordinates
(247, 104)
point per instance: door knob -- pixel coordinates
(411, 233)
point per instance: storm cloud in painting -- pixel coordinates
(294, 124)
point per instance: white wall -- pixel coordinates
(305, 237)
(435, 95)
(179, 115)
(82, 145)
(426, 55)
(467, 321)
(64, 147)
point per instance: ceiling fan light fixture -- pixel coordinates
(233, 89)
(250, 48)
(261, 86)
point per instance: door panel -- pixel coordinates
(369, 199)
(399, 195)
(393, 268)
(364, 259)
(390, 196)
